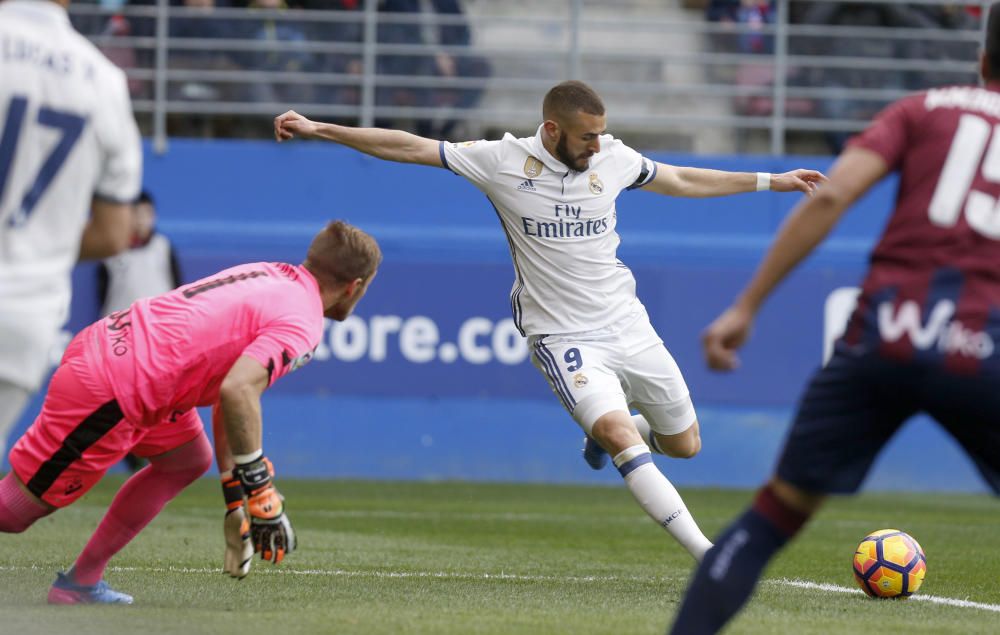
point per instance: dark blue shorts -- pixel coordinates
(854, 405)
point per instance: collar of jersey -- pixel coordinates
(307, 275)
(46, 8)
(543, 155)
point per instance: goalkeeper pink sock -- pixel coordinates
(17, 510)
(139, 501)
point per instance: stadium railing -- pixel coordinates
(802, 67)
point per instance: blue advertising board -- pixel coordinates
(431, 378)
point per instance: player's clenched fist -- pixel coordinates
(291, 123)
(270, 530)
(725, 336)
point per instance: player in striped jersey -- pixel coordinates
(922, 338)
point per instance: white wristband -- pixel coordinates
(763, 181)
(243, 459)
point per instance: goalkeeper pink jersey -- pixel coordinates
(167, 354)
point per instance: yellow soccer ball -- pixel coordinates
(889, 564)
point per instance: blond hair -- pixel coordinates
(341, 253)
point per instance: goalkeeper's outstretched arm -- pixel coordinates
(391, 145)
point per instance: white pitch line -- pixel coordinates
(456, 515)
(458, 575)
(444, 575)
(933, 599)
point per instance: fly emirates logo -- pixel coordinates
(566, 224)
(940, 331)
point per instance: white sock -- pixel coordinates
(660, 499)
(646, 433)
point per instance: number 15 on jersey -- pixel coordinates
(954, 187)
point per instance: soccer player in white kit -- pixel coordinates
(573, 299)
(70, 165)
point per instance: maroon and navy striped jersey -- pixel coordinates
(932, 292)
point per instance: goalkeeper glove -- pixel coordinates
(270, 529)
(236, 529)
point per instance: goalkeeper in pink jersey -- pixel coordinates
(131, 381)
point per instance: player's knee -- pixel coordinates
(684, 450)
(201, 459)
(187, 462)
(19, 509)
(615, 432)
(685, 445)
(795, 497)
(202, 463)
(13, 525)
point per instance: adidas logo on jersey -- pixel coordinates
(527, 186)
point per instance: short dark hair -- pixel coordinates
(341, 253)
(993, 42)
(566, 99)
(145, 197)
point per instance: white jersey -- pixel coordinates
(139, 272)
(67, 134)
(560, 226)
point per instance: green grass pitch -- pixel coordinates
(450, 558)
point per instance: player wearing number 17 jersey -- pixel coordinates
(70, 166)
(131, 382)
(923, 337)
(555, 194)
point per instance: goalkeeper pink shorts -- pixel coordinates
(81, 432)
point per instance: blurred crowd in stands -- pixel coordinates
(276, 54)
(286, 58)
(748, 35)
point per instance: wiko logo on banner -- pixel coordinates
(940, 331)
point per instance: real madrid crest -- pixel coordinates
(595, 184)
(532, 167)
(580, 380)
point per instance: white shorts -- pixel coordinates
(615, 367)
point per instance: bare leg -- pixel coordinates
(617, 434)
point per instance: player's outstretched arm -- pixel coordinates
(701, 183)
(239, 401)
(391, 145)
(810, 222)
